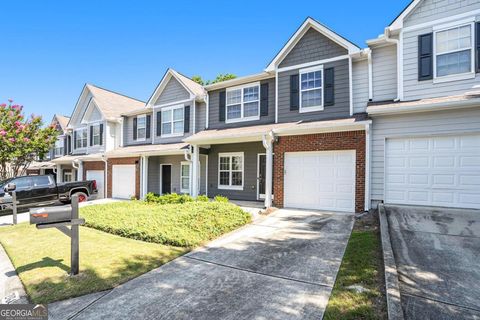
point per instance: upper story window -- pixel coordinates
(454, 51)
(141, 127)
(81, 138)
(59, 147)
(311, 89)
(243, 103)
(173, 121)
(96, 140)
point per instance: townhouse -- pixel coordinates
(326, 125)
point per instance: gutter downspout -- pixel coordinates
(105, 181)
(194, 112)
(207, 98)
(397, 43)
(76, 166)
(370, 75)
(368, 143)
(267, 141)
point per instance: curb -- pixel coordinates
(392, 288)
(11, 288)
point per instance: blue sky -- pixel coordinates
(49, 49)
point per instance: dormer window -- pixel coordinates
(96, 135)
(311, 89)
(243, 103)
(141, 127)
(81, 138)
(453, 48)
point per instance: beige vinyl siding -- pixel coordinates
(384, 70)
(428, 123)
(360, 86)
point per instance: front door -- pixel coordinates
(261, 175)
(166, 178)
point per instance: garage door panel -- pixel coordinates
(449, 175)
(320, 180)
(123, 181)
(99, 177)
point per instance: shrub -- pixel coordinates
(171, 198)
(202, 198)
(220, 199)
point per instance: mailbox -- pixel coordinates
(50, 215)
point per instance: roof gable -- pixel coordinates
(397, 23)
(298, 35)
(195, 90)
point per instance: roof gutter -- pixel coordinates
(434, 106)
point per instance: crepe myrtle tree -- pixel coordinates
(22, 140)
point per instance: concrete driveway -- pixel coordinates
(437, 253)
(280, 267)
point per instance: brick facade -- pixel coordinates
(116, 161)
(92, 165)
(350, 140)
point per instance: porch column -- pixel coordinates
(195, 164)
(80, 171)
(59, 173)
(144, 175)
(268, 144)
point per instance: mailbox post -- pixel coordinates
(14, 207)
(60, 218)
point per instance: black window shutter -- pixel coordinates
(148, 126)
(294, 95)
(186, 118)
(221, 103)
(75, 140)
(425, 57)
(65, 145)
(329, 91)
(91, 136)
(264, 99)
(159, 123)
(477, 47)
(101, 134)
(135, 128)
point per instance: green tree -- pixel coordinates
(219, 78)
(22, 140)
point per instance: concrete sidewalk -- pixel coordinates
(280, 267)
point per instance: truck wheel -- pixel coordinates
(82, 196)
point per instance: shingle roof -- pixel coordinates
(196, 88)
(112, 104)
(62, 120)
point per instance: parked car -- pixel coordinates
(42, 190)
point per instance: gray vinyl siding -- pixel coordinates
(214, 109)
(312, 46)
(416, 124)
(384, 69)
(200, 119)
(173, 91)
(251, 151)
(360, 86)
(159, 139)
(175, 161)
(341, 108)
(429, 10)
(128, 132)
(414, 89)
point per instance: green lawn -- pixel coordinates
(361, 265)
(42, 260)
(186, 225)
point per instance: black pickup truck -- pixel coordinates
(33, 191)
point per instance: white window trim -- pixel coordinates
(300, 91)
(68, 173)
(143, 116)
(78, 131)
(242, 118)
(95, 135)
(59, 139)
(230, 187)
(185, 163)
(172, 108)
(460, 76)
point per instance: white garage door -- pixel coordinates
(97, 175)
(437, 171)
(320, 180)
(123, 181)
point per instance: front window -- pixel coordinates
(172, 121)
(230, 171)
(67, 176)
(96, 135)
(311, 89)
(59, 147)
(243, 104)
(141, 127)
(453, 51)
(81, 139)
(185, 177)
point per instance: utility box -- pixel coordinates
(50, 215)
